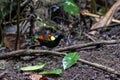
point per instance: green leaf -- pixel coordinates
(2, 67)
(94, 7)
(70, 7)
(69, 60)
(40, 24)
(69, 0)
(31, 68)
(35, 38)
(55, 72)
(102, 11)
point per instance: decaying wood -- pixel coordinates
(105, 20)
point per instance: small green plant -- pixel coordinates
(93, 5)
(49, 27)
(70, 7)
(32, 68)
(102, 11)
(2, 67)
(69, 60)
(55, 72)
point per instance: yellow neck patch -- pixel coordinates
(52, 38)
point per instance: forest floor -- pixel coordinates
(107, 55)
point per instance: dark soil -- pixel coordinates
(107, 55)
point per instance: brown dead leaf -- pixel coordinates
(37, 77)
(106, 20)
(43, 78)
(10, 39)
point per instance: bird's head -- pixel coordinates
(59, 36)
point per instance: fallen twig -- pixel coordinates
(78, 46)
(105, 20)
(105, 68)
(73, 47)
(25, 52)
(18, 28)
(74, 78)
(87, 13)
(15, 21)
(90, 37)
(34, 52)
(39, 52)
(3, 74)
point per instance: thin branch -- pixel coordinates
(3, 74)
(105, 20)
(18, 28)
(32, 9)
(109, 15)
(14, 21)
(27, 52)
(41, 52)
(78, 46)
(105, 68)
(34, 52)
(73, 47)
(74, 78)
(87, 13)
(90, 37)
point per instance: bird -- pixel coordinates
(50, 41)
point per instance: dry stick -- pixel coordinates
(87, 13)
(18, 28)
(27, 52)
(73, 47)
(90, 37)
(78, 46)
(105, 68)
(3, 74)
(74, 78)
(15, 21)
(105, 20)
(34, 52)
